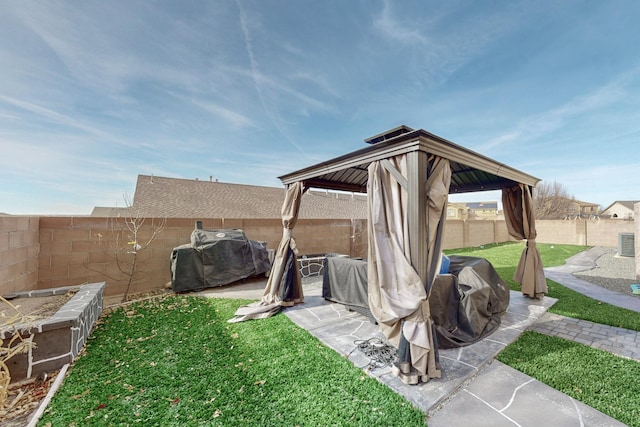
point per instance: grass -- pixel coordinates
(505, 257)
(176, 361)
(595, 377)
(142, 366)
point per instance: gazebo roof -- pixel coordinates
(470, 171)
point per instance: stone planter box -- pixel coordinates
(59, 338)
(313, 265)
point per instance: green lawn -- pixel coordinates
(143, 366)
(175, 361)
(597, 378)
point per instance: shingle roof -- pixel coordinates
(482, 205)
(104, 211)
(629, 204)
(186, 198)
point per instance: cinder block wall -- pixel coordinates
(46, 252)
(454, 234)
(605, 233)
(78, 250)
(470, 233)
(583, 232)
(19, 248)
(561, 231)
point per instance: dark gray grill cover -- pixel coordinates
(216, 258)
(465, 304)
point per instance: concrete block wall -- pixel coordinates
(454, 234)
(569, 232)
(605, 233)
(320, 236)
(481, 232)
(79, 250)
(19, 249)
(583, 232)
(471, 233)
(49, 252)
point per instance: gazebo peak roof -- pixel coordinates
(390, 134)
(470, 171)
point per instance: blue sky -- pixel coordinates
(94, 93)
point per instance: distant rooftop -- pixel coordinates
(163, 197)
(482, 205)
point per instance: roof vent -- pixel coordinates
(626, 244)
(392, 133)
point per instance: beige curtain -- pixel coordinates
(520, 217)
(398, 298)
(284, 287)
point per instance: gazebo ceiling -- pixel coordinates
(470, 171)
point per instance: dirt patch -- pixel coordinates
(24, 399)
(35, 307)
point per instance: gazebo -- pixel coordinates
(407, 175)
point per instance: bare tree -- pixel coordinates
(552, 201)
(129, 239)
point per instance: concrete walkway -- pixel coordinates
(486, 398)
(586, 261)
(475, 389)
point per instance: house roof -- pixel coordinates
(163, 197)
(459, 205)
(581, 203)
(626, 203)
(105, 211)
(470, 171)
(482, 205)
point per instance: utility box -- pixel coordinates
(626, 244)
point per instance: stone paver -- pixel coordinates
(622, 342)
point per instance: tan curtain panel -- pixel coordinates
(520, 218)
(284, 287)
(398, 298)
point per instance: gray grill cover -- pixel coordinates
(216, 258)
(465, 304)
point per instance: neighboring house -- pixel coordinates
(162, 197)
(457, 211)
(620, 210)
(482, 210)
(580, 209)
(559, 207)
(474, 210)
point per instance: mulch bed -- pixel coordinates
(24, 399)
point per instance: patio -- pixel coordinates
(338, 328)
(473, 386)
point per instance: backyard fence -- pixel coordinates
(47, 252)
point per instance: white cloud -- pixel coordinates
(54, 117)
(235, 119)
(397, 30)
(545, 123)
